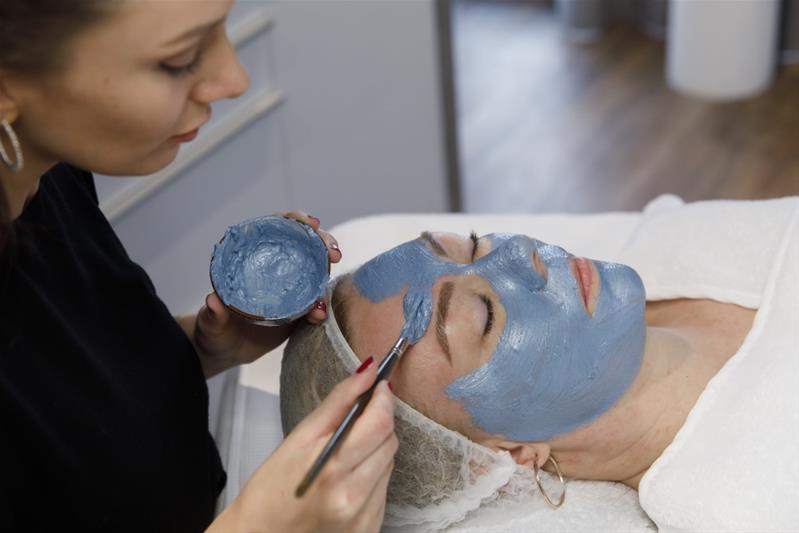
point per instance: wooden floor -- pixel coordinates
(545, 125)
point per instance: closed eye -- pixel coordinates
(489, 314)
(475, 240)
(181, 70)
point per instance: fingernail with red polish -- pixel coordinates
(390, 386)
(315, 219)
(321, 305)
(366, 364)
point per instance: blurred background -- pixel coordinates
(571, 106)
(361, 107)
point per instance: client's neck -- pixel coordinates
(669, 387)
(624, 442)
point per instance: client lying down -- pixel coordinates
(557, 360)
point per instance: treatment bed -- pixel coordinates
(713, 475)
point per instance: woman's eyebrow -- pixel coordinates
(437, 248)
(444, 298)
(196, 31)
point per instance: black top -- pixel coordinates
(103, 404)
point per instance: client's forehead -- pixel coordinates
(423, 373)
(372, 326)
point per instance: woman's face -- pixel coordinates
(136, 85)
(521, 339)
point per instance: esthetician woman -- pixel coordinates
(103, 400)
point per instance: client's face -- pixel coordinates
(520, 338)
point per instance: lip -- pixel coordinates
(585, 273)
(191, 134)
(186, 137)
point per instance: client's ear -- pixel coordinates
(524, 453)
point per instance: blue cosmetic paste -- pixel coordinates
(270, 267)
(554, 368)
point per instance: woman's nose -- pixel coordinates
(228, 79)
(522, 258)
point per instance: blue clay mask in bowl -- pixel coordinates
(270, 269)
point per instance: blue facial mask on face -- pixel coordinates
(554, 368)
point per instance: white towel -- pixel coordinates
(734, 465)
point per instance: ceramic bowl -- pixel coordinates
(270, 270)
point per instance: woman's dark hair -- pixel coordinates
(34, 40)
(35, 34)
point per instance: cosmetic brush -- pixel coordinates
(383, 372)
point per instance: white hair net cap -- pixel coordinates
(440, 475)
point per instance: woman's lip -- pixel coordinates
(190, 135)
(583, 270)
(186, 137)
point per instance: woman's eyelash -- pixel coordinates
(489, 312)
(182, 70)
(473, 236)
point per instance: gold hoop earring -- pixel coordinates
(19, 162)
(541, 487)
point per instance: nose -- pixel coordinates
(538, 265)
(519, 257)
(229, 78)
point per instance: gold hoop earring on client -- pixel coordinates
(541, 487)
(18, 162)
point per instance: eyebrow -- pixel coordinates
(196, 31)
(437, 248)
(441, 318)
